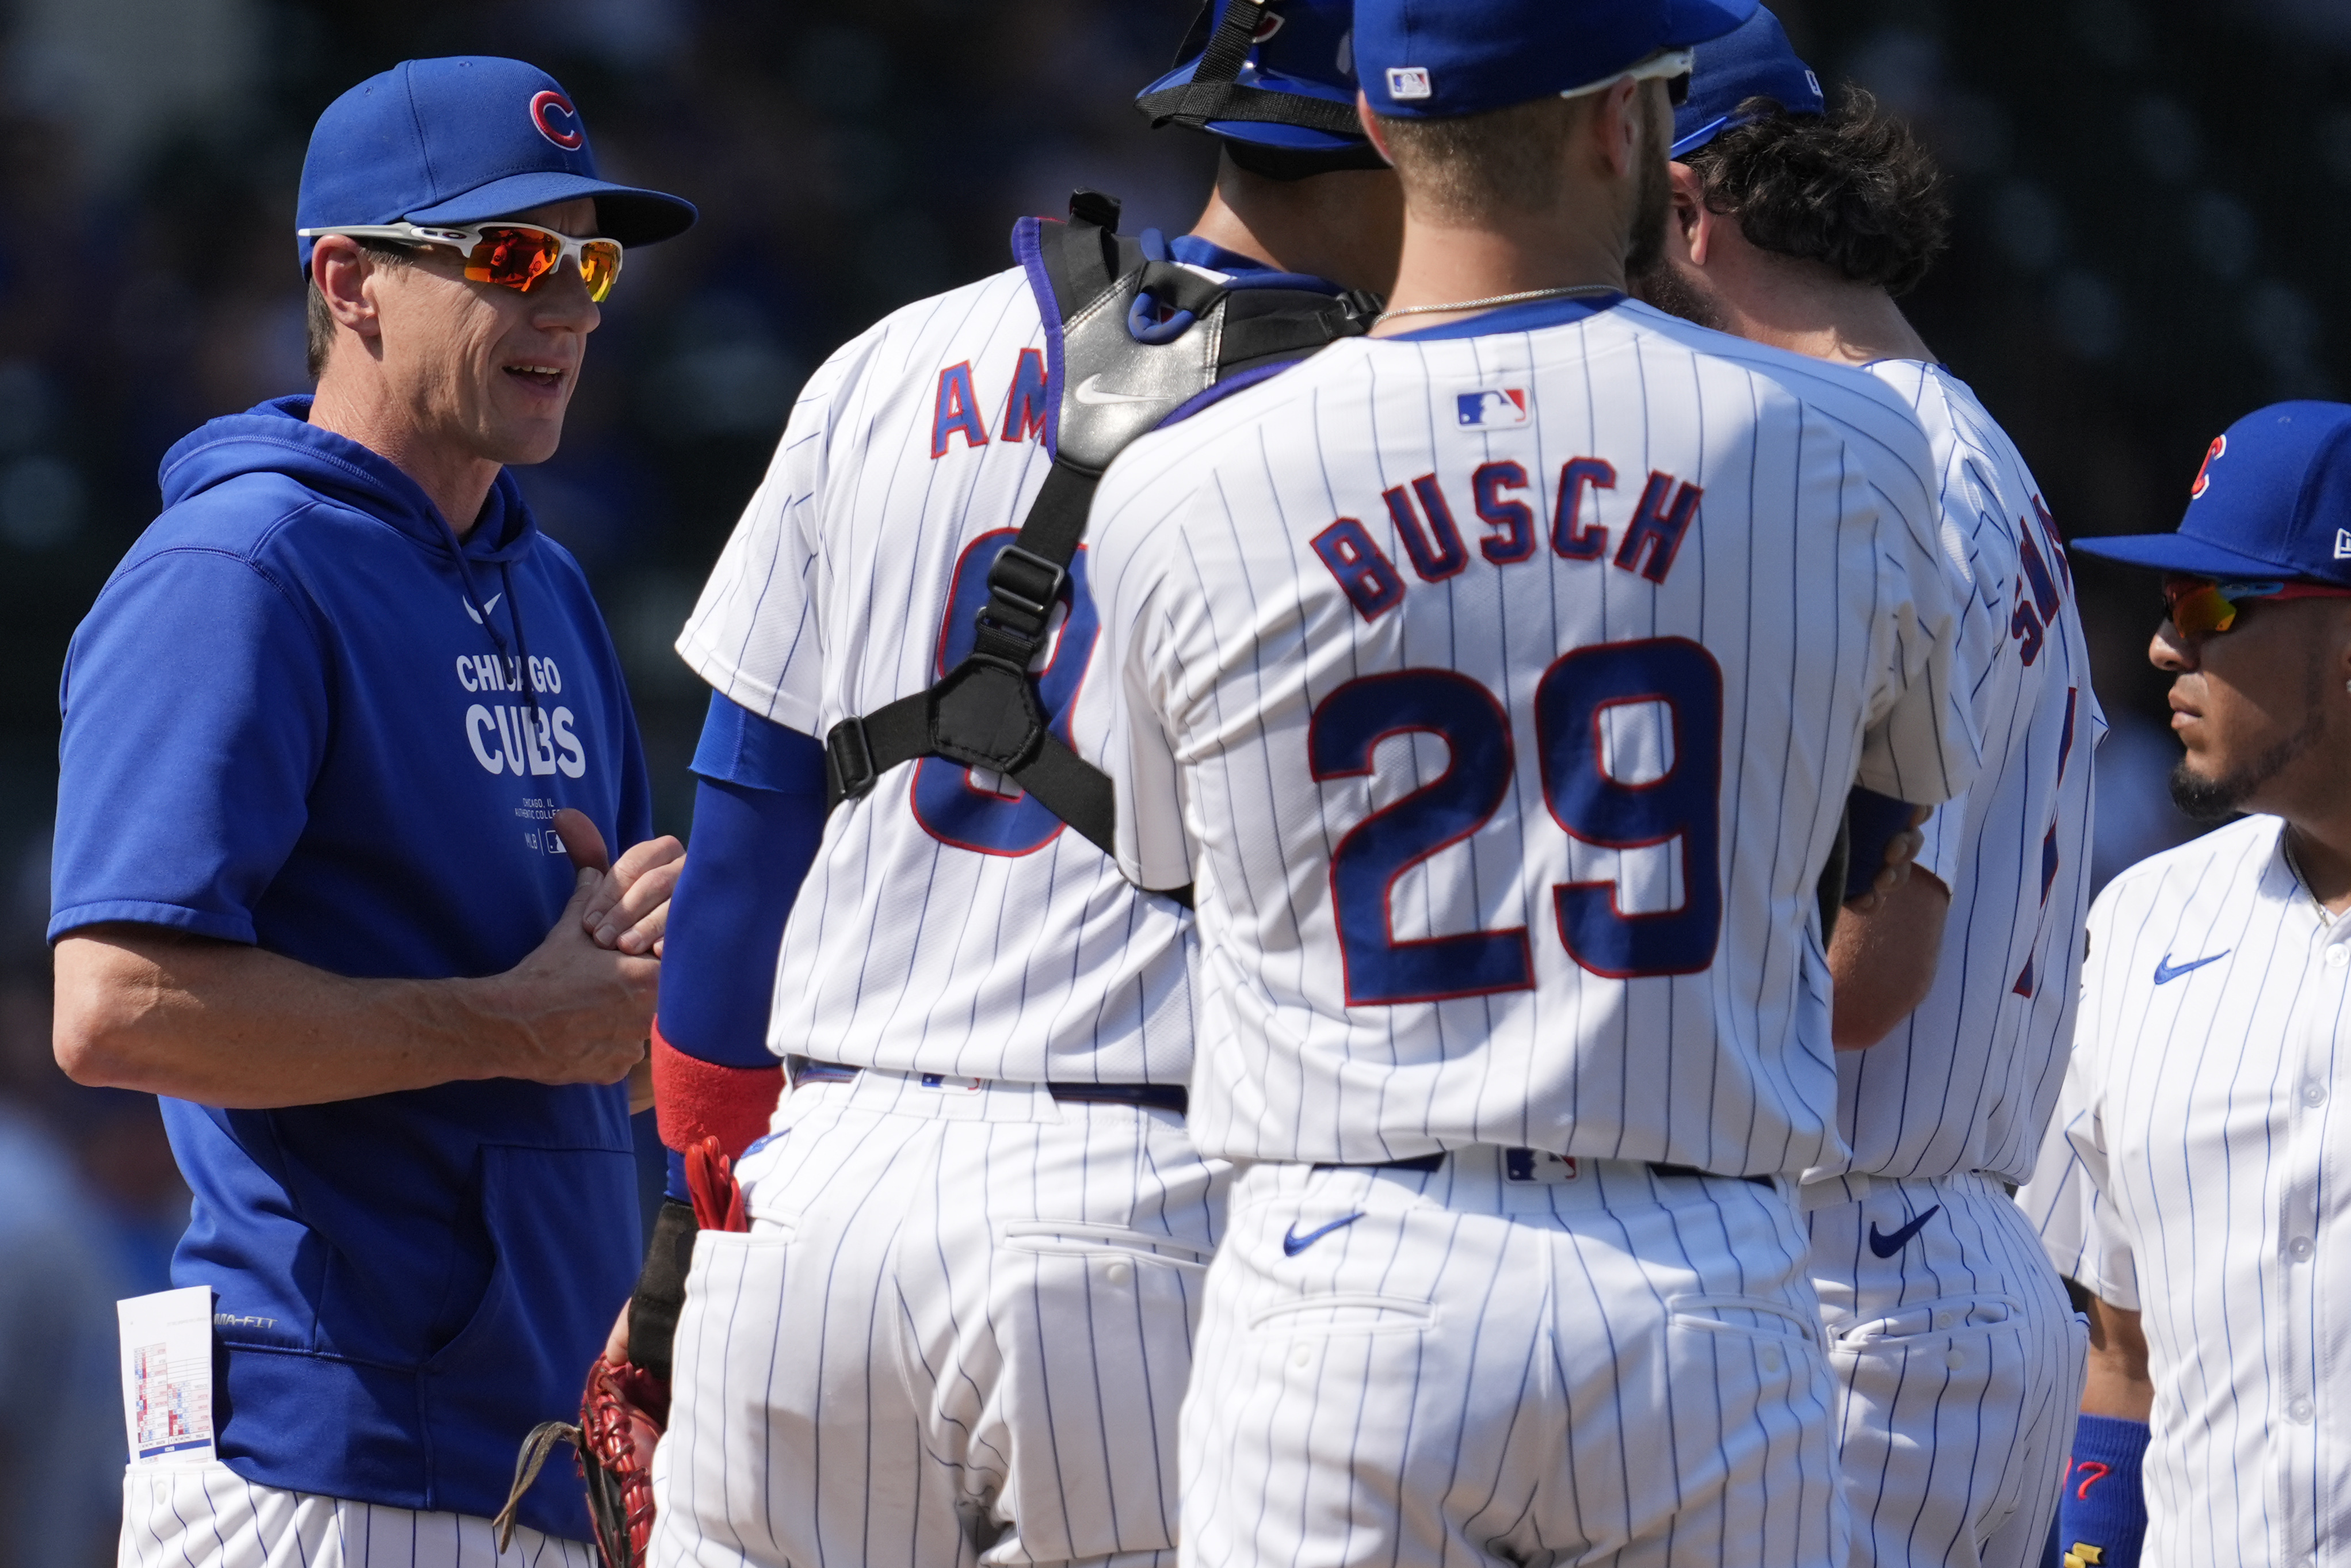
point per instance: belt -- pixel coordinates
(1170, 1097)
(1427, 1163)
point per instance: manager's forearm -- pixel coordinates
(224, 1024)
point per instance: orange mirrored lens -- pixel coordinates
(514, 258)
(600, 266)
(2199, 610)
(519, 258)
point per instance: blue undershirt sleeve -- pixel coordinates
(759, 815)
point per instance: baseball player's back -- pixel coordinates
(1967, 1082)
(954, 947)
(978, 1231)
(1500, 683)
(1507, 746)
(1958, 1356)
(949, 924)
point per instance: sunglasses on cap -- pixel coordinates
(513, 255)
(2201, 607)
(1672, 64)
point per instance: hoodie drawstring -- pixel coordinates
(521, 656)
(522, 643)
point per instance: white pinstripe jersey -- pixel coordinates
(2201, 1175)
(949, 924)
(1967, 1082)
(1506, 771)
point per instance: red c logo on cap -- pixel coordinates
(558, 120)
(2204, 474)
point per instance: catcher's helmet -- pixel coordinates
(1274, 74)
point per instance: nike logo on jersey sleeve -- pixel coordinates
(1292, 1244)
(2166, 971)
(1888, 1246)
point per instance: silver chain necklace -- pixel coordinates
(2294, 865)
(1572, 291)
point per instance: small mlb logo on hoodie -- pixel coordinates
(1485, 410)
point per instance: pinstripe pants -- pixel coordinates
(1958, 1364)
(1450, 1368)
(205, 1515)
(958, 1333)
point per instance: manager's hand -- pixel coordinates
(630, 909)
(576, 1012)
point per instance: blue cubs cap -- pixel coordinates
(1752, 60)
(1443, 59)
(2272, 499)
(1279, 73)
(458, 140)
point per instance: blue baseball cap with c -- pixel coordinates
(459, 140)
(1445, 59)
(1753, 61)
(2272, 500)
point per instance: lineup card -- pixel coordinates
(167, 1374)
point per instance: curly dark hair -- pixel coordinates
(1853, 188)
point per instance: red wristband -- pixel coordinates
(694, 1099)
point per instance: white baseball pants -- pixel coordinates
(205, 1515)
(957, 1332)
(1594, 1364)
(1959, 1365)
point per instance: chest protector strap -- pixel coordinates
(1131, 338)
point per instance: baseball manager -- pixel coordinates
(311, 886)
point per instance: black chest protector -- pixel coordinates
(1131, 338)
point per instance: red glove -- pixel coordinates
(624, 1409)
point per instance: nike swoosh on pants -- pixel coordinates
(1888, 1246)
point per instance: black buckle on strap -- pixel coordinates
(1027, 582)
(850, 756)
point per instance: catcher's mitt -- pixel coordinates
(625, 1408)
(621, 1414)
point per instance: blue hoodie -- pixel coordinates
(300, 715)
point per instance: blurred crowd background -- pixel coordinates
(2153, 200)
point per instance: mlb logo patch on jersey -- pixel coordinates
(1539, 1167)
(1485, 410)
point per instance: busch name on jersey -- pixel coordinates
(1506, 736)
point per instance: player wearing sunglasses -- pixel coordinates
(2188, 1183)
(2200, 607)
(344, 739)
(516, 256)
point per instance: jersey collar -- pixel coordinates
(1530, 317)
